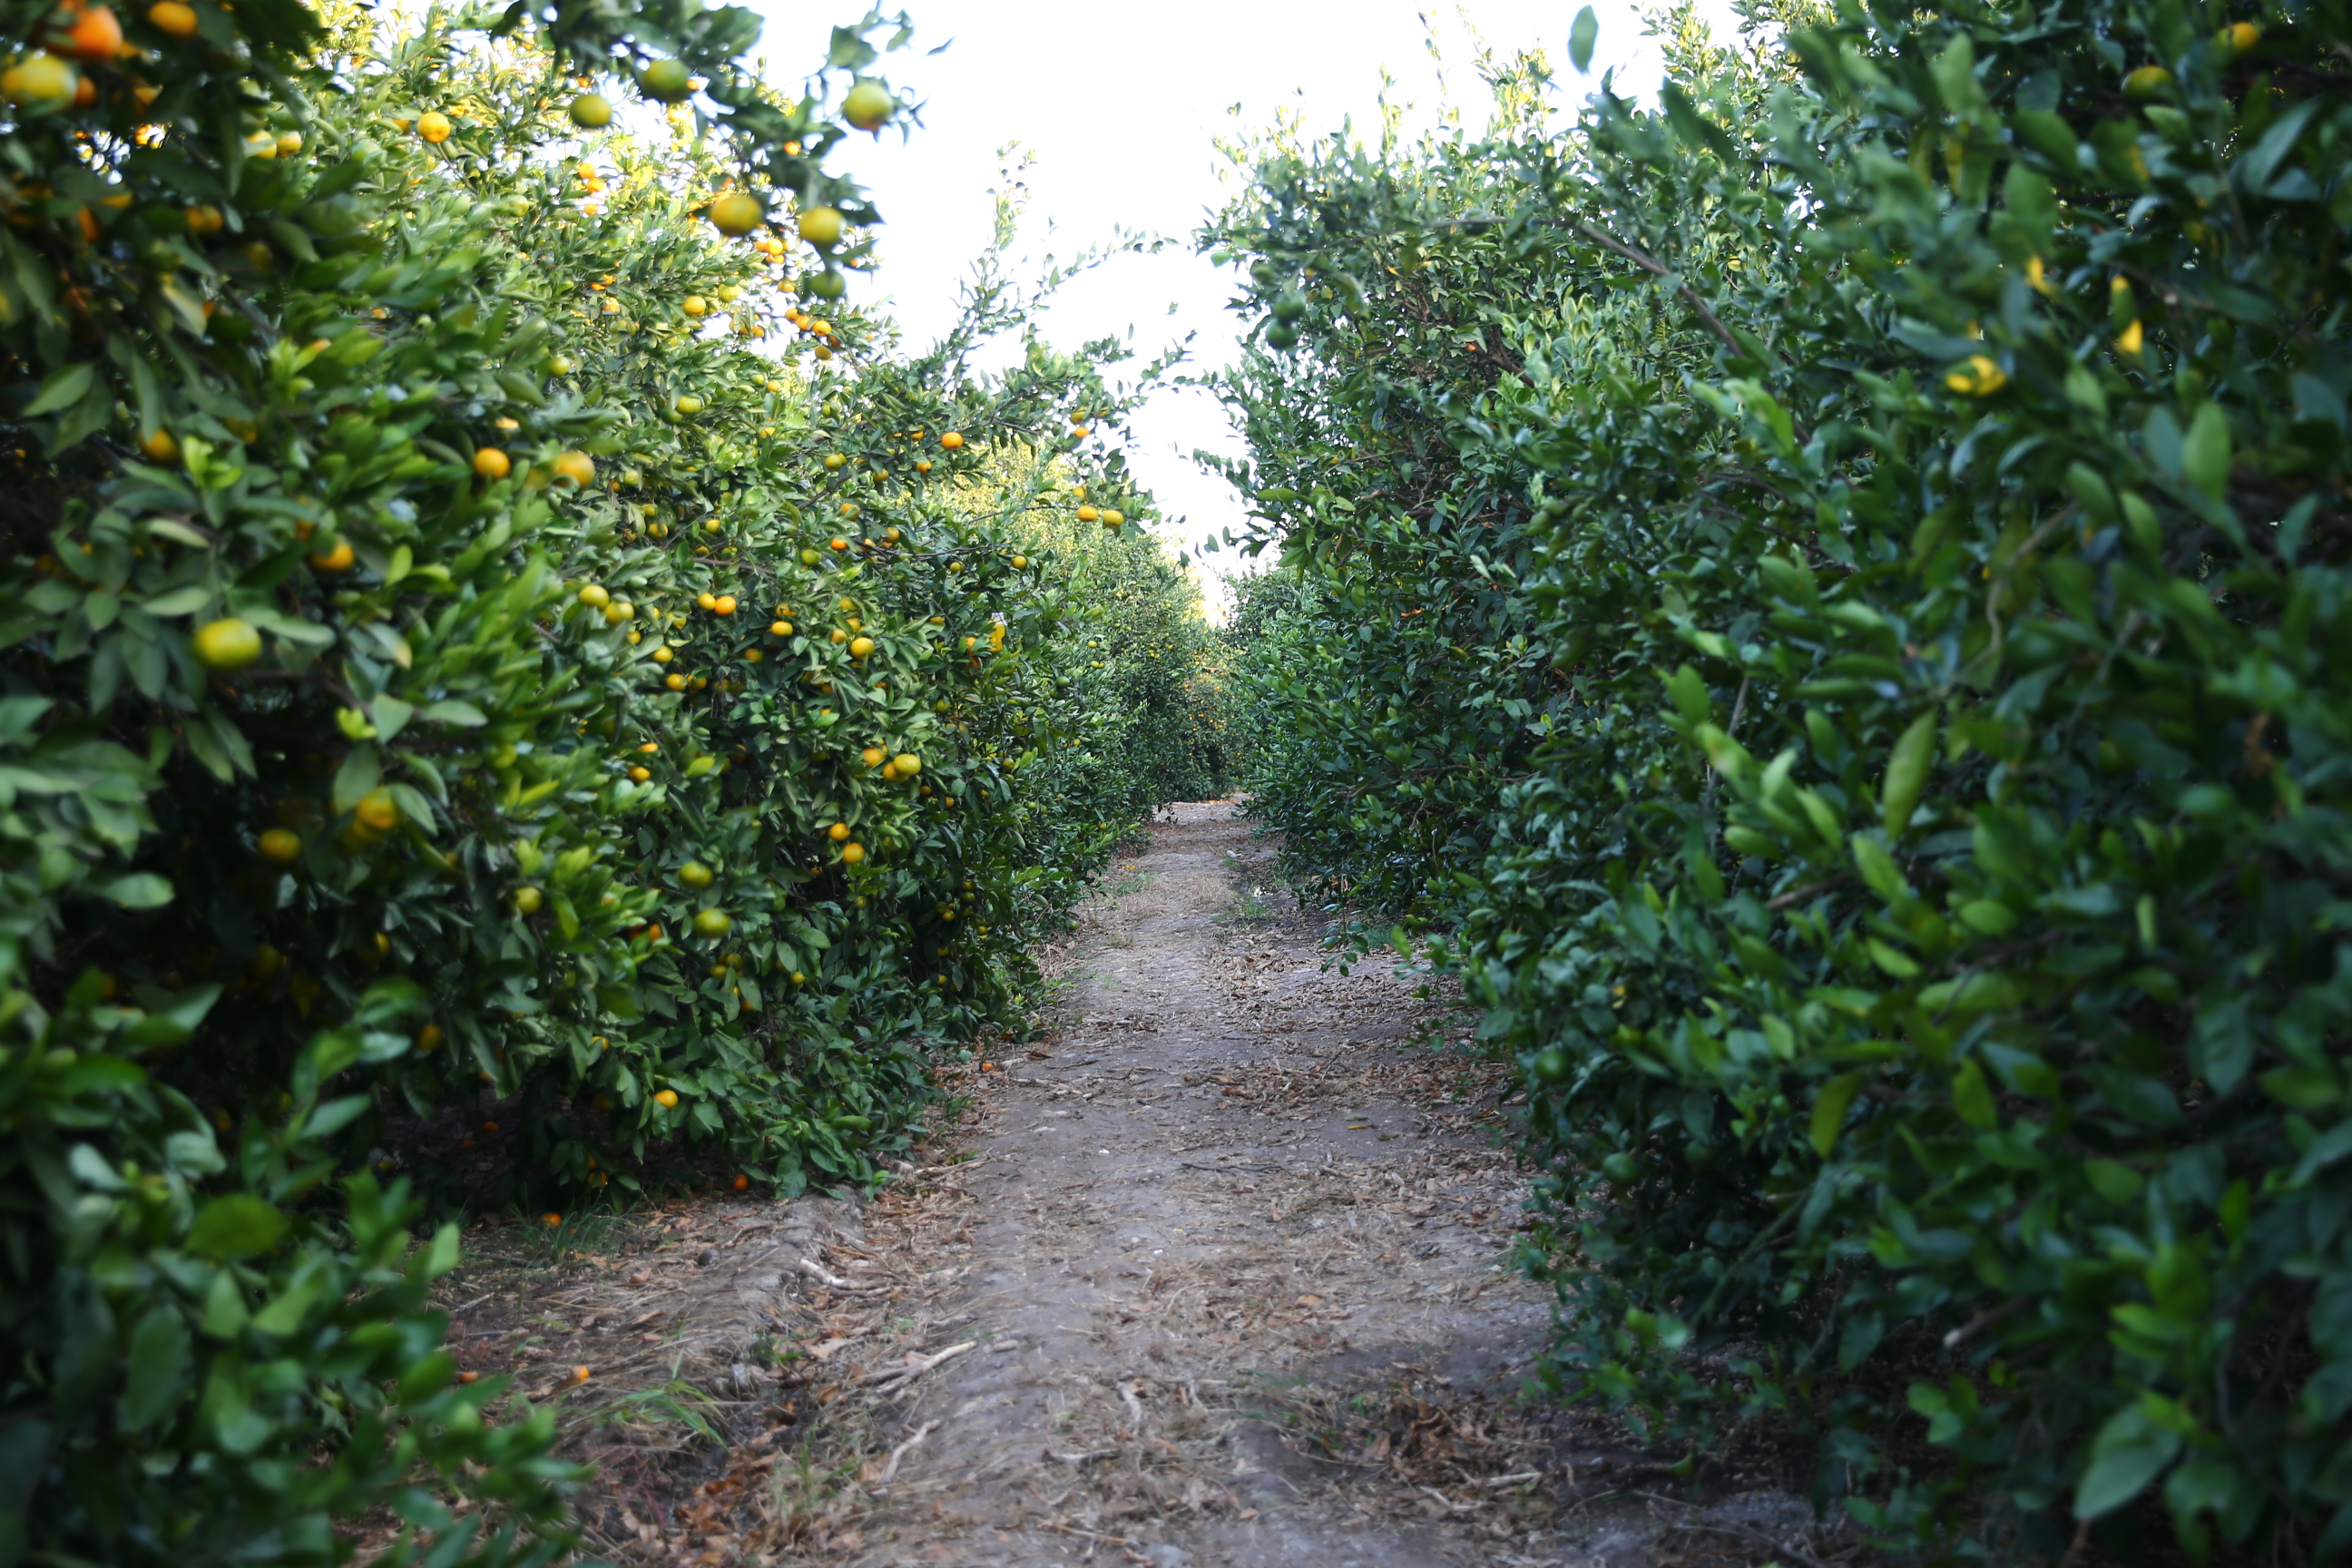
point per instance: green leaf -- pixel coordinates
(1829, 1108)
(63, 387)
(1972, 1097)
(236, 1225)
(1906, 773)
(2130, 1451)
(1582, 34)
(156, 1373)
(2205, 452)
(140, 891)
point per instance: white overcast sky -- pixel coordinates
(1120, 105)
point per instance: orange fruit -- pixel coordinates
(96, 35)
(874, 757)
(337, 559)
(837, 832)
(377, 811)
(174, 17)
(724, 604)
(433, 126)
(666, 1098)
(851, 853)
(742, 1184)
(577, 466)
(492, 464)
(282, 846)
(952, 441)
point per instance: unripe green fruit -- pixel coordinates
(665, 82)
(592, 111)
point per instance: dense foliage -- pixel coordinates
(1829, 603)
(497, 693)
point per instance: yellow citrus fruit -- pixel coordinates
(836, 460)
(577, 466)
(337, 559)
(2147, 82)
(227, 645)
(429, 1038)
(160, 446)
(433, 126)
(724, 604)
(2238, 37)
(675, 682)
(780, 628)
(528, 899)
(281, 845)
(952, 441)
(837, 832)
(851, 853)
(666, 1098)
(492, 464)
(908, 763)
(640, 774)
(42, 82)
(860, 647)
(204, 220)
(874, 757)
(1020, 561)
(1113, 517)
(1088, 514)
(174, 17)
(591, 112)
(869, 106)
(378, 811)
(695, 305)
(689, 405)
(821, 227)
(736, 214)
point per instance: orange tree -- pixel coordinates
(1825, 604)
(485, 695)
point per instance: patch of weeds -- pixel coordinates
(675, 1403)
(1249, 908)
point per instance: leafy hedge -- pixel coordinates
(1828, 600)
(504, 686)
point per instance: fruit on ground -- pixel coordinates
(229, 643)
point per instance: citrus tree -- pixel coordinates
(1818, 602)
(495, 698)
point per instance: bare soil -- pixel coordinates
(1218, 1271)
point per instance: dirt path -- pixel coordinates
(1218, 1274)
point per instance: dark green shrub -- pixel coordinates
(1896, 492)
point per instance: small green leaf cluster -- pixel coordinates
(1825, 604)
